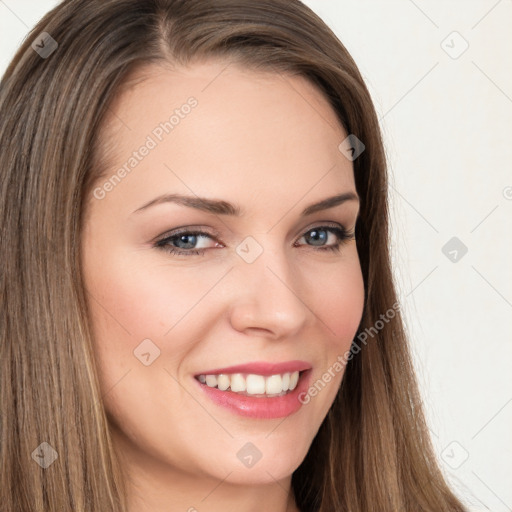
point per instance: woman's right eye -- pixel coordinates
(184, 243)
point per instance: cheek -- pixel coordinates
(339, 299)
(129, 306)
(134, 301)
(339, 305)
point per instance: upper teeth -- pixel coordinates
(251, 383)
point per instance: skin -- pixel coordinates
(269, 143)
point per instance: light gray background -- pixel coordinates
(446, 114)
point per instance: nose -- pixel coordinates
(268, 298)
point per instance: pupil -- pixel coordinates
(318, 235)
(190, 244)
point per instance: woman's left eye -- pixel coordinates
(320, 235)
(185, 242)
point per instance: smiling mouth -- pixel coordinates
(253, 385)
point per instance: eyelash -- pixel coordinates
(341, 233)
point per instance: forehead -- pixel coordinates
(216, 128)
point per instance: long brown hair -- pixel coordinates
(371, 453)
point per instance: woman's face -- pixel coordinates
(259, 288)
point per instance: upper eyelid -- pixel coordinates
(215, 233)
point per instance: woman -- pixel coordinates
(199, 311)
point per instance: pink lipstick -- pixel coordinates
(259, 389)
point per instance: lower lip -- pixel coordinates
(265, 408)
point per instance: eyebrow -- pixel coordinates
(221, 207)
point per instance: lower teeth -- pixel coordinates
(264, 395)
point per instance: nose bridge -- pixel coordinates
(264, 260)
(268, 295)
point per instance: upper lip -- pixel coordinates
(261, 368)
